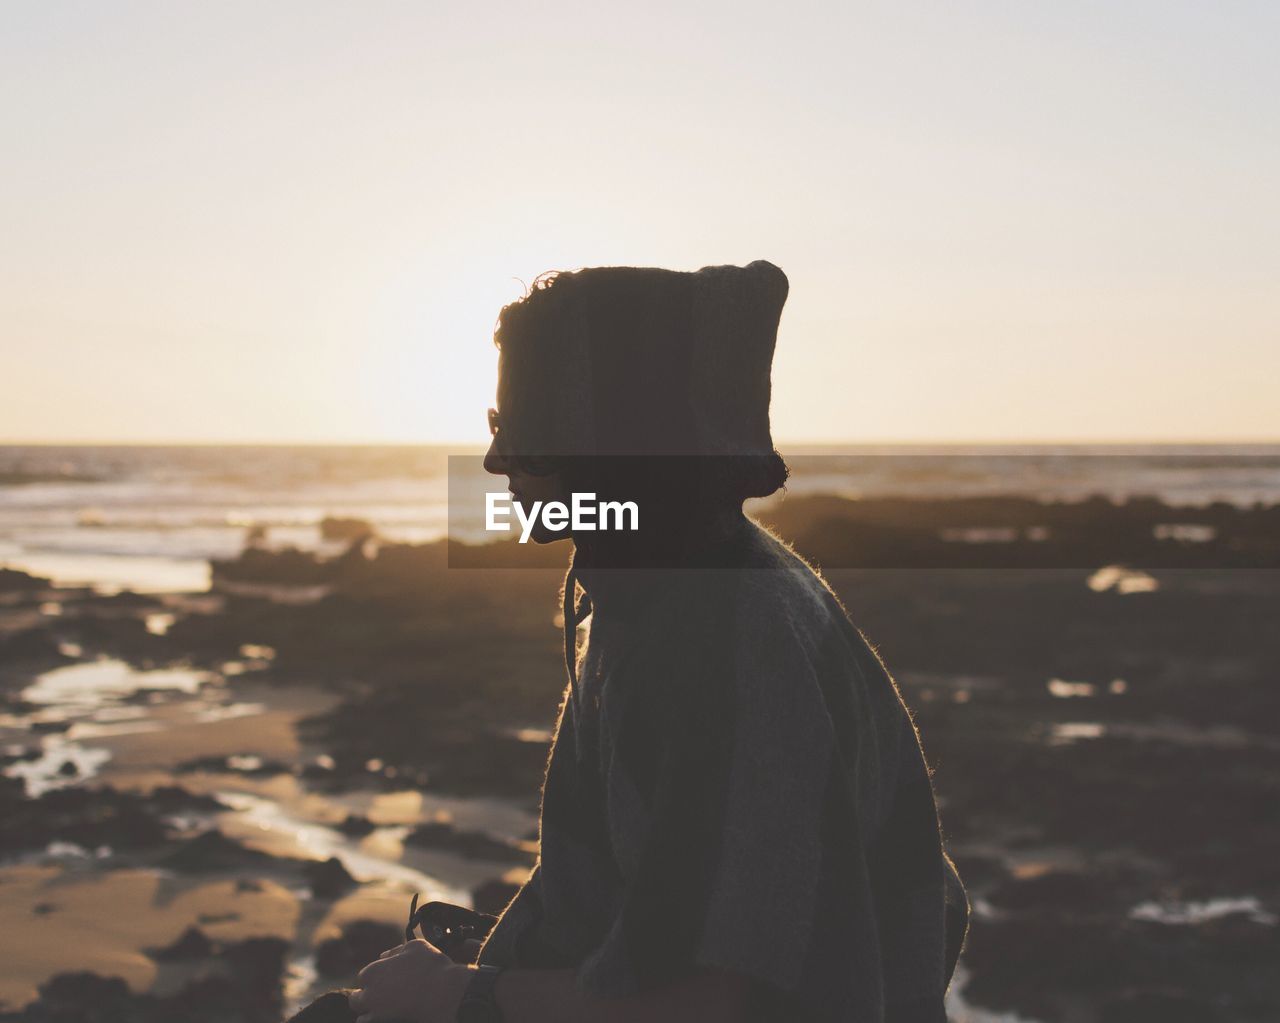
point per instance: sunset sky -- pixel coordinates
(297, 221)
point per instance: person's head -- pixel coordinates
(640, 384)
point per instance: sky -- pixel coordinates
(297, 221)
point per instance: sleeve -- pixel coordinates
(502, 945)
(717, 784)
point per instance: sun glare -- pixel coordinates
(432, 368)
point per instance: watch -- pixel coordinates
(479, 1004)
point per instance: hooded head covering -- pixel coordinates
(642, 361)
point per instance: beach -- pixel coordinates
(285, 706)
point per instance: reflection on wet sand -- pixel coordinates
(134, 730)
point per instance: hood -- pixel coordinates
(643, 361)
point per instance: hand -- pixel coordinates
(414, 982)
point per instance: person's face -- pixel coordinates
(526, 487)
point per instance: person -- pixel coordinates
(737, 819)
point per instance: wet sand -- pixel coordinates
(105, 921)
(1104, 739)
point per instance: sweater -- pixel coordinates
(736, 784)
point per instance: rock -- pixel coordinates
(214, 851)
(130, 600)
(13, 581)
(247, 990)
(89, 817)
(332, 528)
(258, 965)
(356, 826)
(493, 896)
(192, 943)
(208, 998)
(85, 990)
(23, 755)
(361, 942)
(289, 566)
(1156, 1005)
(474, 845)
(48, 727)
(98, 817)
(176, 799)
(329, 879)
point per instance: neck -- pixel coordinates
(616, 577)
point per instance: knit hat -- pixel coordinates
(642, 361)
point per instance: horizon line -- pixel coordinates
(780, 444)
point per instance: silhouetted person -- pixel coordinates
(737, 821)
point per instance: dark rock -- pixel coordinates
(176, 799)
(27, 753)
(14, 581)
(332, 528)
(128, 599)
(86, 991)
(209, 998)
(48, 727)
(13, 793)
(92, 816)
(246, 990)
(1157, 1005)
(356, 826)
(493, 896)
(213, 851)
(1059, 890)
(289, 567)
(328, 879)
(361, 942)
(258, 965)
(192, 943)
(474, 845)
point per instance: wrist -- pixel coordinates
(455, 980)
(478, 1002)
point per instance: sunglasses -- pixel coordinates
(533, 465)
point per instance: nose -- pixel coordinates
(495, 462)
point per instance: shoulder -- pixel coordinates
(761, 627)
(775, 584)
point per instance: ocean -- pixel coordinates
(149, 518)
